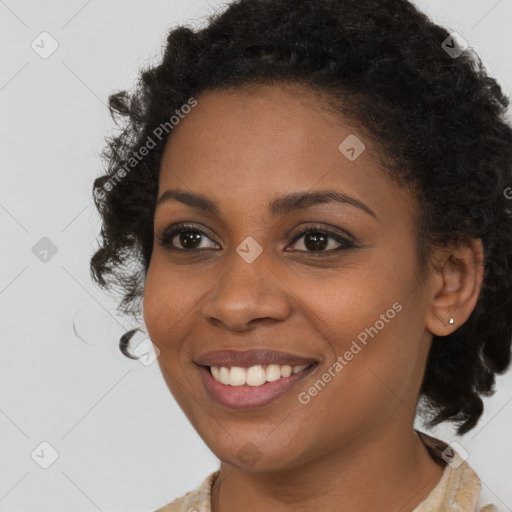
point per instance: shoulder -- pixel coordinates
(173, 506)
(460, 484)
(487, 502)
(198, 499)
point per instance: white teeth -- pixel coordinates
(224, 375)
(254, 375)
(286, 370)
(237, 376)
(273, 372)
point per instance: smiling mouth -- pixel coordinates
(244, 395)
(256, 375)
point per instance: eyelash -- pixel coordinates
(346, 243)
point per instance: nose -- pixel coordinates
(248, 294)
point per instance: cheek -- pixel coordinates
(371, 317)
(341, 304)
(167, 311)
(165, 306)
(153, 303)
(172, 308)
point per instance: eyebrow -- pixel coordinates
(280, 206)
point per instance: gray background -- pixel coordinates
(122, 442)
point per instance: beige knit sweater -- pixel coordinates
(457, 491)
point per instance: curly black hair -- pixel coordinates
(435, 114)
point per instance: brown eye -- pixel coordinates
(320, 241)
(190, 238)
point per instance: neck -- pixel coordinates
(388, 473)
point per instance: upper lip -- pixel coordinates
(251, 358)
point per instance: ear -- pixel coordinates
(455, 283)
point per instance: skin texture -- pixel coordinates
(353, 443)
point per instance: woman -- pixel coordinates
(310, 198)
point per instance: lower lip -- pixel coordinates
(246, 397)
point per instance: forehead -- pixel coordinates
(263, 128)
(271, 139)
(293, 117)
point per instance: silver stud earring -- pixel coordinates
(451, 321)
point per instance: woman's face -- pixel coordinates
(352, 300)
